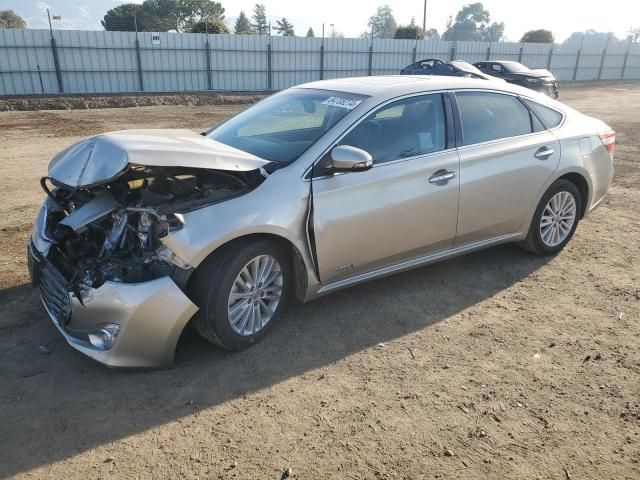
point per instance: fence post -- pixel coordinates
(453, 51)
(40, 77)
(575, 68)
(207, 50)
(139, 61)
(56, 63)
(550, 57)
(370, 59)
(322, 61)
(520, 53)
(624, 63)
(489, 52)
(413, 56)
(604, 54)
(269, 79)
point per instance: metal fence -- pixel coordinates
(84, 62)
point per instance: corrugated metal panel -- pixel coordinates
(390, 56)
(97, 62)
(22, 52)
(536, 55)
(346, 57)
(633, 62)
(471, 51)
(239, 62)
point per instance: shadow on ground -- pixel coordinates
(89, 405)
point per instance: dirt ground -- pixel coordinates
(495, 365)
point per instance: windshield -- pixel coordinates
(515, 67)
(467, 67)
(284, 126)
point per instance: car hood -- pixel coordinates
(103, 157)
(538, 73)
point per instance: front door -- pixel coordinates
(401, 208)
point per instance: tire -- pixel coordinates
(548, 244)
(212, 288)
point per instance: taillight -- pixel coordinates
(608, 140)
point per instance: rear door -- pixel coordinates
(506, 157)
(397, 210)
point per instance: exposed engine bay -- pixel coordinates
(112, 231)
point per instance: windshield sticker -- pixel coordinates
(347, 103)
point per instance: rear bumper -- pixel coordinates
(151, 316)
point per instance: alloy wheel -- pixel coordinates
(558, 218)
(255, 295)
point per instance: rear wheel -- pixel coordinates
(241, 291)
(555, 219)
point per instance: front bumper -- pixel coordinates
(151, 315)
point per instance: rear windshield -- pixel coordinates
(284, 126)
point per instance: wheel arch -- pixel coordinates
(301, 279)
(583, 187)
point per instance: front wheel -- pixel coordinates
(555, 219)
(241, 292)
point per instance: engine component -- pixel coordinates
(112, 231)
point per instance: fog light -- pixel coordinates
(105, 336)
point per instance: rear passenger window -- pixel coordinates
(491, 116)
(549, 116)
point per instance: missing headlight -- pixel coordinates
(113, 231)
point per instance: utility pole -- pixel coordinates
(50, 27)
(424, 18)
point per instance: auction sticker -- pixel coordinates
(347, 103)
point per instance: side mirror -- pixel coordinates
(350, 159)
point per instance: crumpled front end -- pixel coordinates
(116, 324)
(110, 284)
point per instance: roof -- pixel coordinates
(393, 85)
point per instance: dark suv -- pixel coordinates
(540, 80)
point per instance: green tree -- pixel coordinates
(211, 26)
(159, 16)
(310, 33)
(162, 15)
(472, 23)
(123, 18)
(9, 19)
(411, 31)
(634, 33)
(260, 24)
(432, 33)
(284, 28)
(537, 36)
(382, 24)
(243, 26)
(493, 32)
(191, 12)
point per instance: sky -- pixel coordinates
(350, 17)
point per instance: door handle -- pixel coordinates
(543, 153)
(441, 177)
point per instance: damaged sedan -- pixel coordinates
(314, 189)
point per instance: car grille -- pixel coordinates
(52, 286)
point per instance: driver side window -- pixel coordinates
(402, 129)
